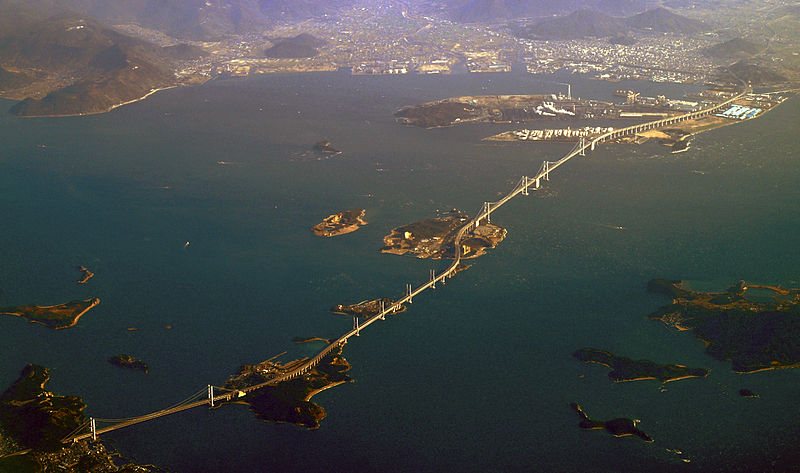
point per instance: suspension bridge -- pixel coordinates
(213, 395)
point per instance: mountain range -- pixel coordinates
(590, 23)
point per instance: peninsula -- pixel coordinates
(340, 223)
(434, 238)
(626, 369)
(54, 316)
(755, 327)
(290, 401)
(33, 421)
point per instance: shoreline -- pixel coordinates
(111, 108)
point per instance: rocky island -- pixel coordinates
(290, 401)
(340, 223)
(33, 421)
(755, 327)
(434, 238)
(87, 275)
(57, 317)
(626, 369)
(365, 309)
(620, 427)
(325, 147)
(129, 362)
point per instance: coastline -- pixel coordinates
(152, 91)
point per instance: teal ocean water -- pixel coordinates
(475, 376)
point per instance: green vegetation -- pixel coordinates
(741, 325)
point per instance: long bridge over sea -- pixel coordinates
(213, 396)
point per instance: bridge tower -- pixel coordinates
(211, 395)
(433, 279)
(525, 185)
(356, 327)
(487, 209)
(593, 142)
(93, 426)
(582, 146)
(408, 293)
(546, 166)
(383, 309)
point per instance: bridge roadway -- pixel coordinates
(485, 214)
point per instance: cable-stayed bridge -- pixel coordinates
(213, 396)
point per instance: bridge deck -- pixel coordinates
(449, 272)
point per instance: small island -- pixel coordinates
(755, 327)
(365, 309)
(129, 362)
(435, 237)
(626, 369)
(56, 317)
(325, 147)
(620, 427)
(341, 223)
(290, 401)
(87, 275)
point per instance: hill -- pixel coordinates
(736, 48)
(300, 46)
(12, 80)
(80, 66)
(662, 20)
(578, 24)
(752, 73)
(590, 23)
(483, 11)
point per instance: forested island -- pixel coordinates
(755, 327)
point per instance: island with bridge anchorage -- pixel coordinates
(435, 238)
(290, 400)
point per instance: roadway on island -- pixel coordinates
(488, 207)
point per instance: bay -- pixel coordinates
(476, 376)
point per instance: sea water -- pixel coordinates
(476, 375)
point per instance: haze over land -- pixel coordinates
(78, 56)
(195, 209)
